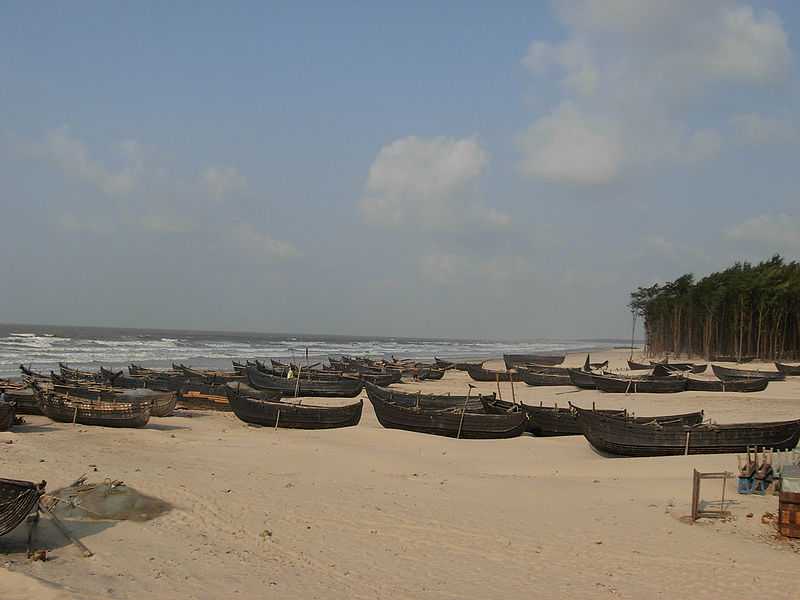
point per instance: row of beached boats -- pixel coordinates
(273, 396)
(662, 377)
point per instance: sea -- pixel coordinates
(42, 347)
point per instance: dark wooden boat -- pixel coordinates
(788, 370)
(77, 374)
(514, 360)
(26, 399)
(728, 373)
(426, 401)
(665, 369)
(544, 369)
(18, 499)
(548, 421)
(646, 384)
(625, 438)
(338, 388)
(732, 385)
(274, 413)
(32, 374)
(444, 364)
(7, 413)
(207, 376)
(429, 374)
(534, 378)
(453, 422)
(162, 404)
(582, 379)
(70, 409)
(481, 374)
(637, 366)
(382, 379)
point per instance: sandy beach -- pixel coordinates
(366, 512)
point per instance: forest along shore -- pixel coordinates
(370, 512)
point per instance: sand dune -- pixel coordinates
(372, 513)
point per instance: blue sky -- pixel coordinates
(457, 170)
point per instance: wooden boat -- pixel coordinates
(788, 370)
(274, 413)
(451, 422)
(444, 364)
(70, 409)
(211, 377)
(637, 366)
(582, 379)
(7, 413)
(729, 373)
(70, 373)
(18, 499)
(534, 378)
(426, 401)
(732, 385)
(32, 374)
(625, 438)
(26, 399)
(543, 369)
(338, 388)
(665, 369)
(551, 360)
(382, 379)
(646, 384)
(162, 404)
(548, 421)
(429, 374)
(481, 374)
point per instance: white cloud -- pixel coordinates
(72, 156)
(431, 182)
(754, 128)
(163, 224)
(446, 269)
(748, 47)
(223, 181)
(632, 74)
(774, 231)
(569, 147)
(573, 57)
(260, 245)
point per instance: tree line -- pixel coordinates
(746, 311)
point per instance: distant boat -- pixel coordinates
(480, 374)
(512, 360)
(729, 373)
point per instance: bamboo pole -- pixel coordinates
(63, 529)
(463, 410)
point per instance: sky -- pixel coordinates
(464, 169)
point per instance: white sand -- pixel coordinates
(366, 512)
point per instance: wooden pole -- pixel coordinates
(497, 381)
(63, 529)
(511, 381)
(463, 410)
(277, 418)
